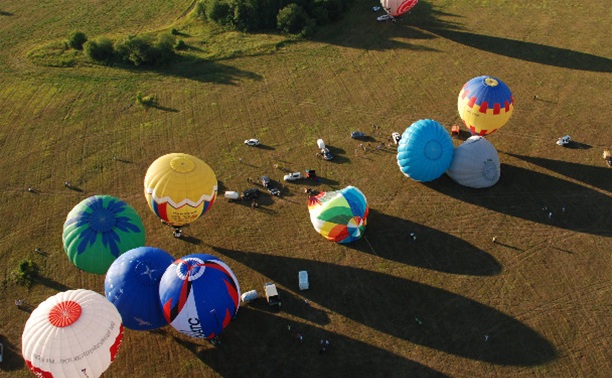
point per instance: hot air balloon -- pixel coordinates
(476, 163)
(98, 230)
(199, 295)
(485, 104)
(180, 188)
(75, 333)
(425, 150)
(340, 215)
(132, 285)
(396, 8)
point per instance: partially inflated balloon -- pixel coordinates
(476, 163)
(132, 285)
(339, 216)
(98, 230)
(75, 333)
(199, 295)
(398, 7)
(425, 151)
(180, 188)
(485, 104)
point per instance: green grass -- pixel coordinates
(537, 291)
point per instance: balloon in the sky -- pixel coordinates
(98, 230)
(485, 104)
(132, 285)
(75, 333)
(199, 295)
(476, 163)
(425, 151)
(398, 7)
(180, 188)
(340, 215)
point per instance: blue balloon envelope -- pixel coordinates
(425, 151)
(132, 285)
(199, 295)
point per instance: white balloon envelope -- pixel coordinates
(475, 163)
(75, 333)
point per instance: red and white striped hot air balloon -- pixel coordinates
(75, 333)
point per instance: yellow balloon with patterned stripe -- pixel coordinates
(485, 104)
(180, 188)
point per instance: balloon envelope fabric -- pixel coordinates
(425, 150)
(132, 285)
(180, 188)
(199, 295)
(75, 333)
(485, 104)
(339, 216)
(476, 163)
(98, 230)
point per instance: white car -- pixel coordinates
(564, 141)
(293, 176)
(252, 142)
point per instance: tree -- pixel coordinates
(76, 40)
(26, 272)
(101, 50)
(292, 19)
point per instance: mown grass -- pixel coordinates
(529, 290)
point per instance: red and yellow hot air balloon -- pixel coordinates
(180, 188)
(485, 104)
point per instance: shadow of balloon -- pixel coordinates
(523, 193)
(599, 177)
(389, 237)
(293, 305)
(427, 18)
(449, 322)
(12, 359)
(265, 347)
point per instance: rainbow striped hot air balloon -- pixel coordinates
(485, 104)
(199, 295)
(340, 215)
(98, 230)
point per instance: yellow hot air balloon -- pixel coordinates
(180, 188)
(485, 104)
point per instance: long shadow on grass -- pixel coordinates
(259, 344)
(12, 356)
(429, 19)
(524, 193)
(193, 68)
(389, 237)
(600, 177)
(446, 321)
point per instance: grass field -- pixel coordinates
(390, 306)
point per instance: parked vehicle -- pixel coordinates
(320, 144)
(265, 181)
(252, 142)
(231, 195)
(249, 296)
(326, 154)
(564, 141)
(396, 137)
(274, 191)
(250, 193)
(272, 295)
(303, 280)
(357, 135)
(292, 176)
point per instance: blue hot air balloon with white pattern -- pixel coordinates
(132, 285)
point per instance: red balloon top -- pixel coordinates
(65, 313)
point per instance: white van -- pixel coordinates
(321, 144)
(303, 280)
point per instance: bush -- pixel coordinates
(145, 100)
(219, 11)
(76, 40)
(292, 19)
(26, 272)
(180, 45)
(163, 49)
(100, 50)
